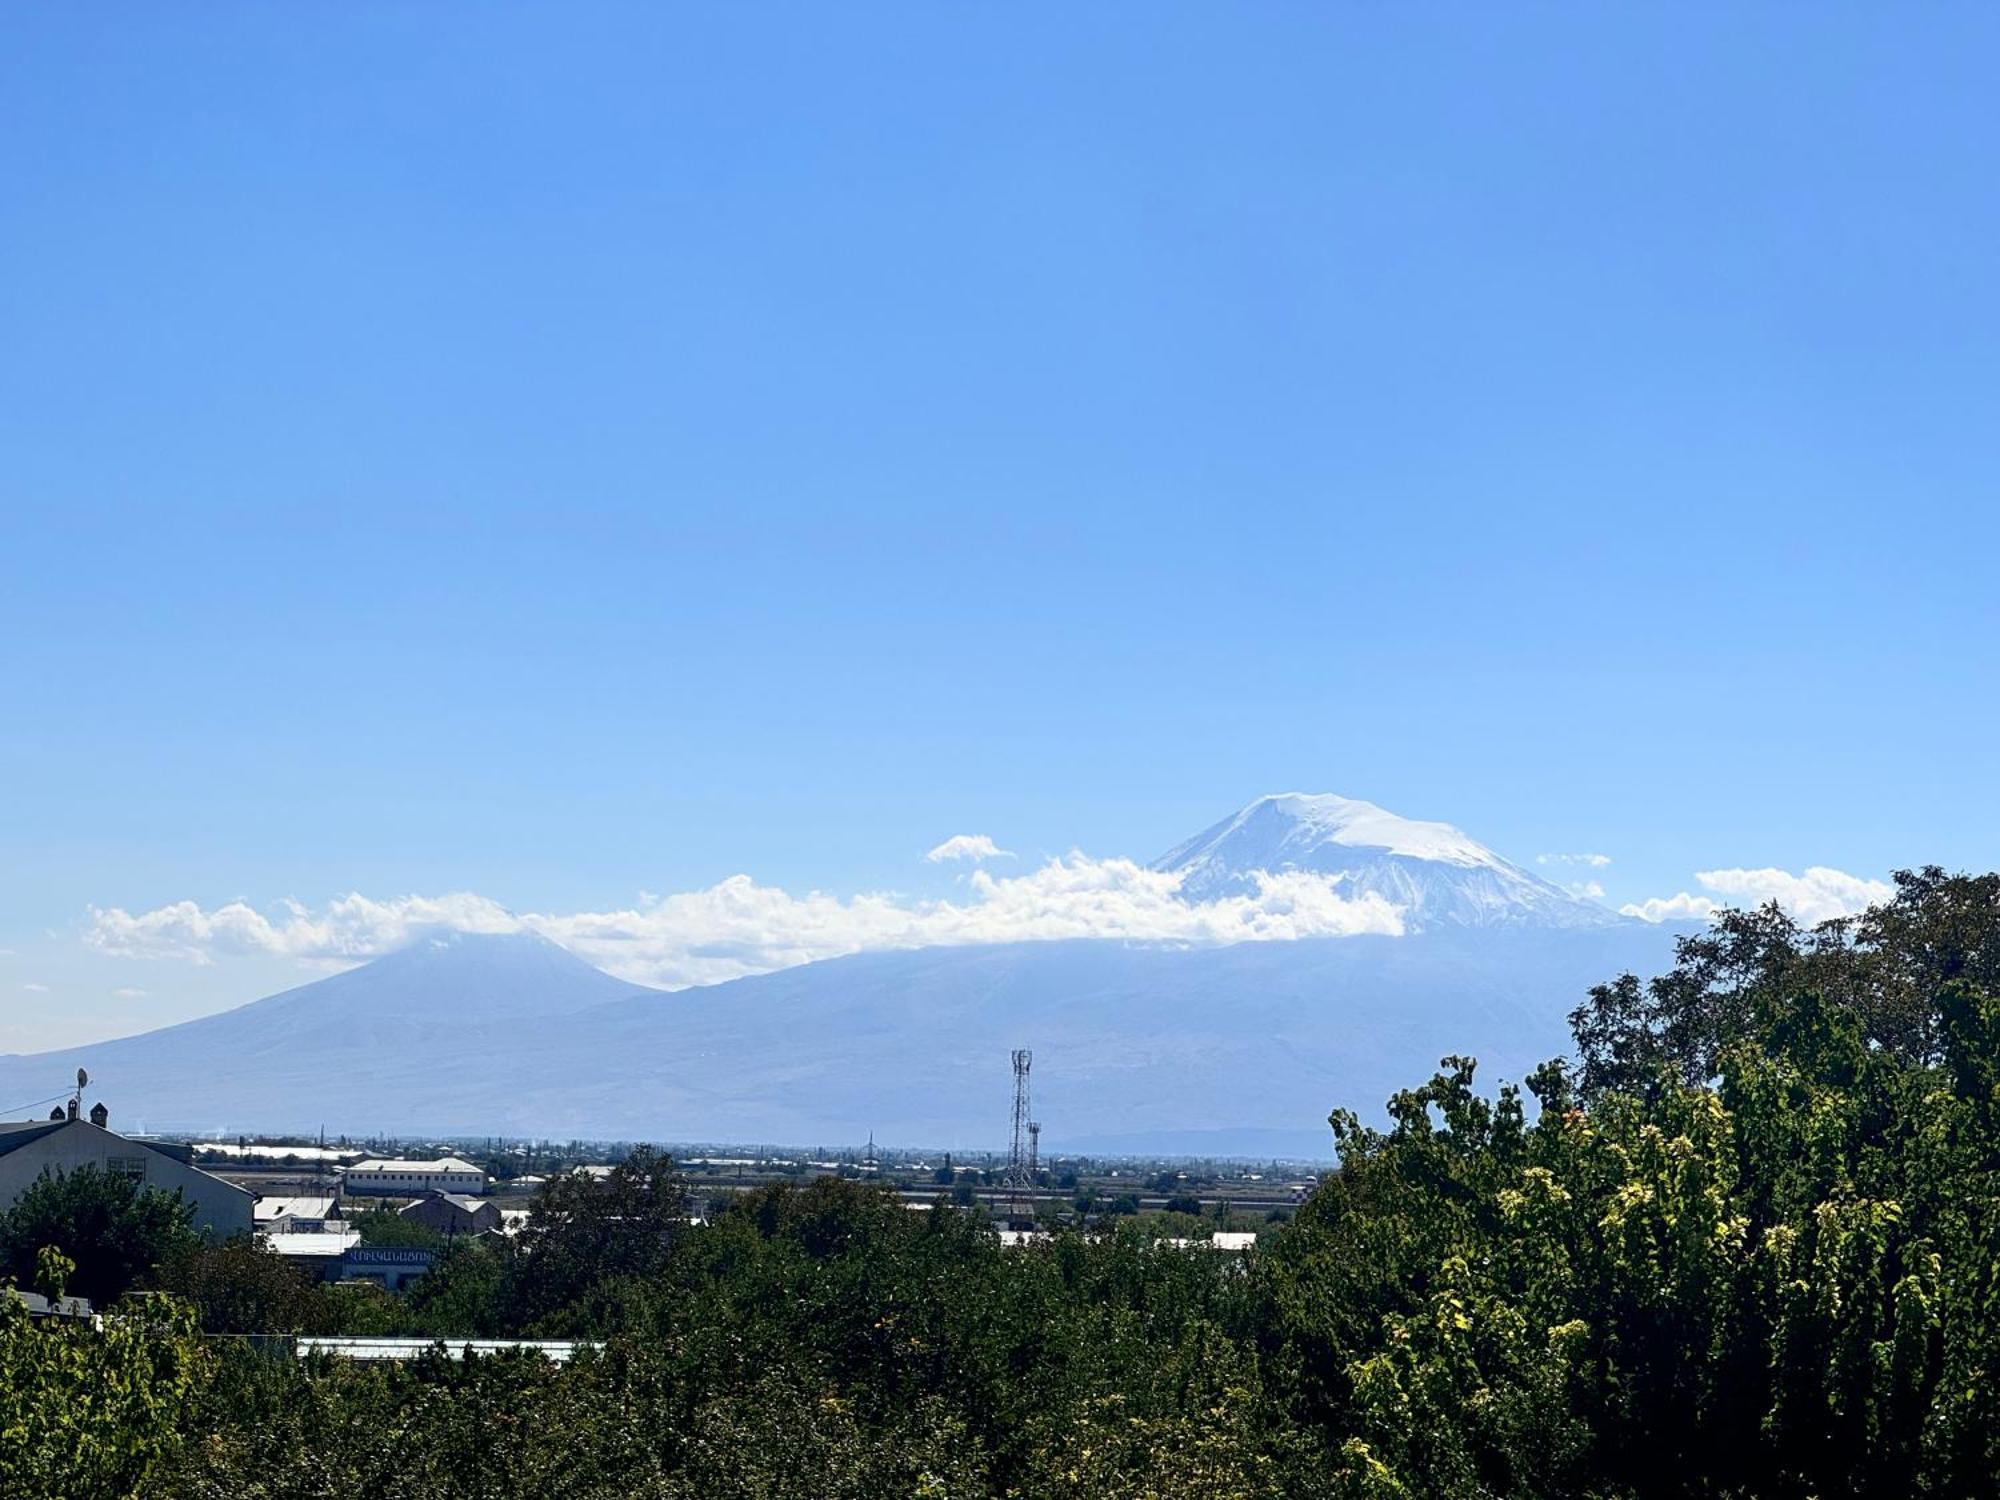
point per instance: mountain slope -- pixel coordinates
(363, 1047)
(1133, 1044)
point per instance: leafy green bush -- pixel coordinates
(114, 1230)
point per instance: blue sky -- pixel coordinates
(556, 454)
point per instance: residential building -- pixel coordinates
(454, 1213)
(64, 1144)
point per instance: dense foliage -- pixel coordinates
(112, 1229)
(1886, 970)
(1750, 1246)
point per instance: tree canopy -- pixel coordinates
(114, 1230)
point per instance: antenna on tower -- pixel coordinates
(1019, 1172)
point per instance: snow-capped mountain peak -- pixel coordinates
(1434, 872)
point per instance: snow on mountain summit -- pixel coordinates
(1434, 872)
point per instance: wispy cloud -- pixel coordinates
(1588, 861)
(35, 989)
(740, 927)
(1585, 890)
(968, 846)
(129, 992)
(351, 927)
(1817, 895)
(1681, 907)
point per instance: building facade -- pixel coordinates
(412, 1179)
(32, 1147)
(391, 1267)
(454, 1213)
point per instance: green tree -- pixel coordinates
(89, 1412)
(244, 1286)
(585, 1232)
(114, 1231)
(53, 1270)
(1887, 967)
(385, 1226)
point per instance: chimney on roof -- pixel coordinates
(57, 1113)
(72, 1109)
(99, 1115)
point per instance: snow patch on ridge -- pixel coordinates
(1286, 823)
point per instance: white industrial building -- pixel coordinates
(412, 1179)
(29, 1148)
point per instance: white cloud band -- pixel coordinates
(1682, 907)
(351, 928)
(1818, 895)
(740, 927)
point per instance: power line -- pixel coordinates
(35, 1103)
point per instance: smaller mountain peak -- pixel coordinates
(457, 947)
(449, 976)
(519, 938)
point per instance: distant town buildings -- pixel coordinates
(67, 1143)
(378, 1178)
(277, 1151)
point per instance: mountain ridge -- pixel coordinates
(1247, 1042)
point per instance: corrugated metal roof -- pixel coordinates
(314, 1242)
(316, 1207)
(561, 1351)
(18, 1133)
(276, 1153)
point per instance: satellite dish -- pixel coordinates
(82, 1078)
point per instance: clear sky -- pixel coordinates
(559, 453)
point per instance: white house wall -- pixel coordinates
(221, 1208)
